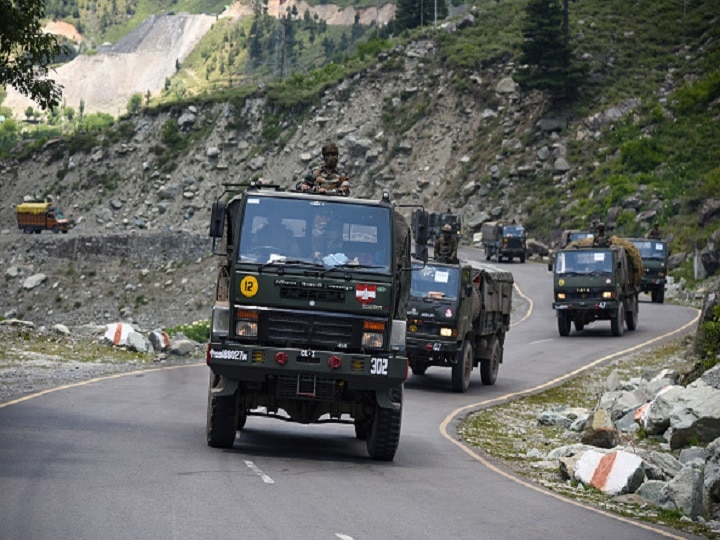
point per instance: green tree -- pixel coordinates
(414, 13)
(29, 113)
(546, 53)
(134, 103)
(26, 51)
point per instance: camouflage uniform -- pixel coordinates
(446, 246)
(654, 233)
(600, 240)
(328, 178)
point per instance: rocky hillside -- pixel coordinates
(404, 126)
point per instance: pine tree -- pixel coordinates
(413, 13)
(547, 56)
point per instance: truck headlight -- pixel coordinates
(247, 323)
(446, 332)
(608, 295)
(220, 321)
(561, 296)
(372, 340)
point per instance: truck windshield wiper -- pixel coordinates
(290, 262)
(349, 266)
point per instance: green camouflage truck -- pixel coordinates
(504, 240)
(458, 317)
(308, 321)
(592, 283)
(655, 261)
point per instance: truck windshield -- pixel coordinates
(434, 282)
(327, 233)
(650, 249)
(596, 263)
(513, 231)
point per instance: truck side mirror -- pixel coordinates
(217, 219)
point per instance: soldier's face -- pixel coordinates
(331, 159)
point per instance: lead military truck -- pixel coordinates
(309, 326)
(458, 317)
(592, 283)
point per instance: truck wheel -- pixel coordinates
(383, 436)
(27, 230)
(222, 418)
(488, 254)
(654, 296)
(489, 367)
(631, 316)
(563, 324)
(522, 259)
(462, 369)
(617, 323)
(476, 303)
(661, 295)
(55, 229)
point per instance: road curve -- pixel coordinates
(125, 456)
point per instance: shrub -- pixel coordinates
(197, 331)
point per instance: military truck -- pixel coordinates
(655, 262)
(594, 283)
(40, 216)
(504, 240)
(458, 317)
(309, 326)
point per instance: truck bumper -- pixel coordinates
(427, 348)
(587, 311)
(356, 371)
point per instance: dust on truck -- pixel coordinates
(458, 317)
(592, 283)
(38, 217)
(308, 324)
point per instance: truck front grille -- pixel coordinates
(301, 293)
(309, 331)
(306, 387)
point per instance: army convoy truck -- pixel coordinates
(38, 217)
(592, 283)
(458, 317)
(308, 322)
(504, 240)
(654, 255)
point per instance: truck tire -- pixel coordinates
(462, 369)
(631, 316)
(661, 295)
(489, 367)
(522, 258)
(563, 324)
(383, 436)
(654, 296)
(617, 323)
(222, 418)
(55, 229)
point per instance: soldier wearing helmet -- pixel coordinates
(600, 239)
(327, 179)
(446, 246)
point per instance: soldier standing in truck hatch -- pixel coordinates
(600, 239)
(446, 246)
(328, 179)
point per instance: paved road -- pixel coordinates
(126, 458)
